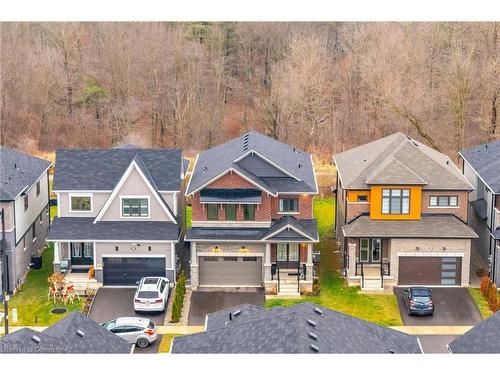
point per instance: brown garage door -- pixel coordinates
(430, 270)
(231, 271)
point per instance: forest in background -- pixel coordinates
(322, 87)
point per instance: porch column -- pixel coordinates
(352, 259)
(57, 257)
(267, 263)
(194, 267)
(309, 264)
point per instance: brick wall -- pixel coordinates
(305, 206)
(460, 211)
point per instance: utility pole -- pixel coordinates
(5, 275)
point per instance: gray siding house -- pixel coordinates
(120, 212)
(24, 196)
(481, 166)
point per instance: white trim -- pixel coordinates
(264, 158)
(228, 202)
(443, 207)
(288, 227)
(173, 264)
(228, 254)
(58, 205)
(175, 202)
(81, 191)
(135, 197)
(11, 229)
(430, 254)
(118, 186)
(168, 191)
(192, 174)
(120, 241)
(133, 256)
(95, 256)
(79, 195)
(232, 224)
(288, 212)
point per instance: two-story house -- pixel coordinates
(24, 196)
(401, 215)
(119, 211)
(481, 166)
(252, 216)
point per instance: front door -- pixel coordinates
(82, 253)
(288, 255)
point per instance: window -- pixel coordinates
(40, 218)
(163, 283)
(135, 207)
(249, 212)
(76, 250)
(88, 249)
(395, 201)
(230, 212)
(33, 231)
(364, 250)
(38, 188)
(293, 252)
(288, 205)
(81, 203)
(443, 201)
(230, 259)
(24, 242)
(210, 259)
(362, 198)
(26, 203)
(212, 213)
(250, 259)
(281, 256)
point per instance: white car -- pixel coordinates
(138, 331)
(151, 294)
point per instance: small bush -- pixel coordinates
(493, 298)
(485, 284)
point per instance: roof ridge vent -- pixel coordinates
(317, 310)
(311, 322)
(80, 333)
(204, 169)
(314, 348)
(313, 336)
(236, 313)
(36, 339)
(391, 351)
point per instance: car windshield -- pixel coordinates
(421, 299)
(147, 294)
(109, 325)
(420, 292)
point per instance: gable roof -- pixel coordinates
(398, 159)
(288, 330)
(101, 169)
(482, 338)
(74, 334)
(485, 159)
(290, 228)
(272, 165)
(18, 172)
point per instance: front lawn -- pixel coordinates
(481, 302)
(166, 342)
(324, 213)
(53, 212)
(189, 211)
(31, 302)
(380, 309)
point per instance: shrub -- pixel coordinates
(178, 302)
(485, 283)
(493, 297)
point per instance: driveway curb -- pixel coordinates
(433, 330)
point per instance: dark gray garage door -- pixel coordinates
(430, 270)
(127, 271)
(231, 271)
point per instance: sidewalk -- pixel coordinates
(432, 330)
(162, 330)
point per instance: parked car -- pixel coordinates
(151, 294)
(139, 331)
(418, 300)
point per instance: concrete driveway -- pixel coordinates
(435, 344)
(205, 302)
(453, 307)
(111, 303)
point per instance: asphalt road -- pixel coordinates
(435, 344)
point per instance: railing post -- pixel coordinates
(298, 278)
(278, 273)
(362, 276)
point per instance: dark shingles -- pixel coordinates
(308, 227)
(101, 169)
(215, 161)
(445, 226)
(219, 318)
(18, 171)
(485, 159)
(83, 228)
(483, 338)
(230, 195)
(286, 330)
(63, 337)
(481, 208)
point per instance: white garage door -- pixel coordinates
(230, 271)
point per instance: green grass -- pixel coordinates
(31, 302)
(53, 212)
(166, 342)
(189, 212)
(481, 302)
(324, 212)
(334, 294)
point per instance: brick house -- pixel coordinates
(252, 216)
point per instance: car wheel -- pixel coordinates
(142, 342)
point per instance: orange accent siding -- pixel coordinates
(415, 203)
(352, 195)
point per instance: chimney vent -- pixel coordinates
(36, 339)
(80, 333)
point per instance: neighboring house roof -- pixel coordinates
(302, 328)
(436, 226)
(270, 164)
(230, 196)
(185, 166)
(219, 318)
(482, 338)
(75, 334)
(485, 160)
(481, 208)
(286, 228)
(496, 234)
(83, 228)
(18, 172)
(101, 169)
(398, 159)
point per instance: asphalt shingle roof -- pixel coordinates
(62, 337)
(215, 161)
(485, 159)
(101, 169)
(219, 318)
(483, 338)
(230, 195)
(297, 329)
(437, 226)
(18, 171)
(398, 159)
(83, 228)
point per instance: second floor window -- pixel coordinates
(443, 201)
(38, 188)
(26, 202)
(231, 212)
(288, 205)
(362, 198)
(33, 231)
(81, 203)
(212, 212)
(395, 201)
(135, 207)
(248, 212)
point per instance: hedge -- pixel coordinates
(489, 291)
(180, 291)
